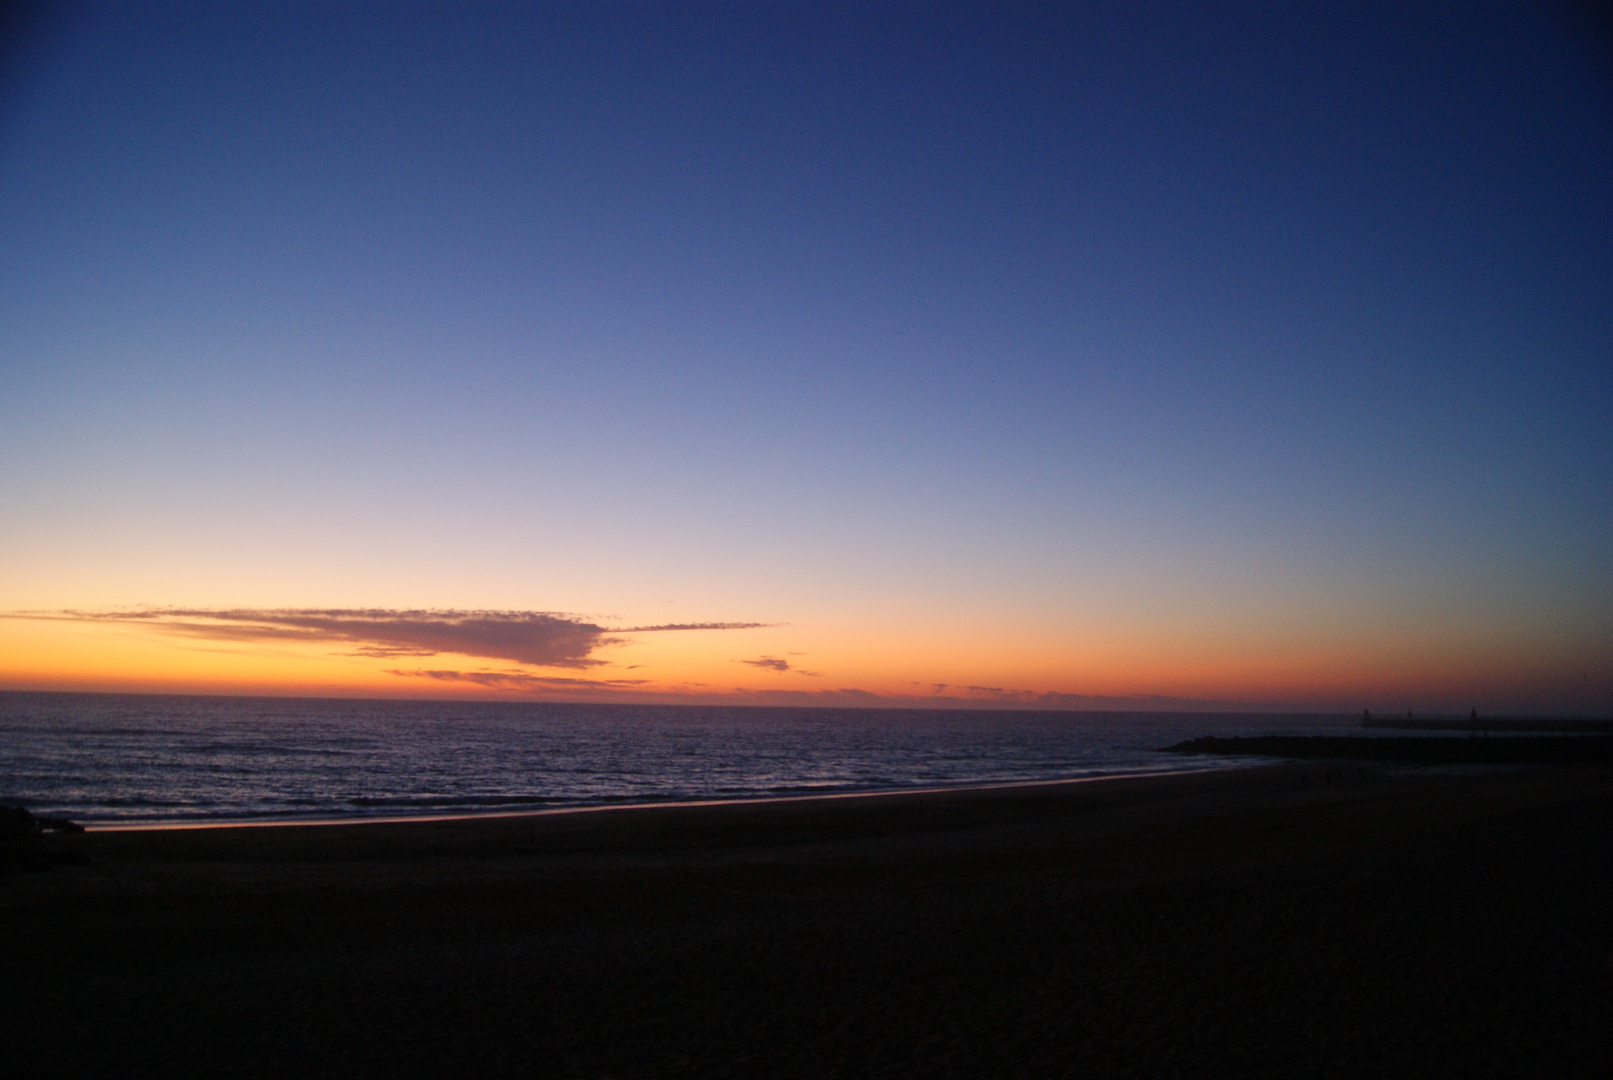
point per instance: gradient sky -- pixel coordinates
(1053, 355)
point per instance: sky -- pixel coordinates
(1062, 356)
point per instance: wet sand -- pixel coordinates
(1294, 920)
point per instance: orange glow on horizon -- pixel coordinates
(799, 664)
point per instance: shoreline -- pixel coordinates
(738, 800)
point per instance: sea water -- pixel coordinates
(111, 758)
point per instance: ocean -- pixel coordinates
(106, 759)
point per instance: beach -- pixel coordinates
(1325, 918)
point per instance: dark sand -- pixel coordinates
(1264, 922)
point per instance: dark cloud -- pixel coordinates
(538, 638)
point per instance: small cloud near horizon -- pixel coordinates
(774, 663)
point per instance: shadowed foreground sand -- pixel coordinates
(1256, 923)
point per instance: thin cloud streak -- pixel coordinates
(774, 663)
(642, 691)
(1047, 699)
(519, 680)
(852, 697)
(538, 638)
(694, 626)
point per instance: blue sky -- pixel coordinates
(998, 323)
